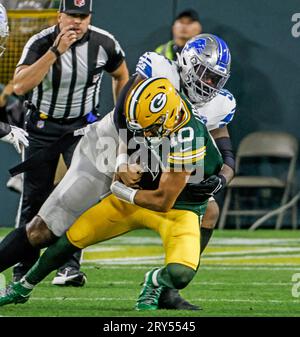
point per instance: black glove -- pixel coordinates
(207, 188)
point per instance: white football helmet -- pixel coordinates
(4, 30)
(204, 65)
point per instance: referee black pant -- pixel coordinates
(39, 183)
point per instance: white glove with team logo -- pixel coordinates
(17, 137)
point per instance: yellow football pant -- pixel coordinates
(179, 229)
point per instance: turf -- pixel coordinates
(241, 274)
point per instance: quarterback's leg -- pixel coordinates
(170, 298)
(180, 234)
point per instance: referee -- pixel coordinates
(62, 67)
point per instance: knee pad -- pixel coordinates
(180, 274)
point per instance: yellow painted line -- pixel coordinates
(213, 255)
(124, 252)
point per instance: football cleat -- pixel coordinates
(70, 277)
(149, 295)
(14, 293)
(171, 299)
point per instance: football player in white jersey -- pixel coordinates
(9, 133)
(94, 161)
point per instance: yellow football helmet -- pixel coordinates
(153, 102)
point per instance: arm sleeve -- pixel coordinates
(225, 147)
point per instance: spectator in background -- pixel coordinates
(63, 66)
(185, 26)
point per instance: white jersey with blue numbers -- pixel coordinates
(155, 65)
(215, 114)
(218, 112)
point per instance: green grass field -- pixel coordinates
(241, 274)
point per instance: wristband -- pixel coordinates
(123, 192)
(55, 51)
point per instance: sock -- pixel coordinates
(206, 234)
(28, 260)
(53, 257)
(174, 275)
(14, 247)
(23, 287)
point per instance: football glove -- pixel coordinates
(17, 137)
(207, 188)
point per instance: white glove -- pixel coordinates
(17, 137)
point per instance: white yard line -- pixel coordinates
(137, 240)
(94, 299)
(271, 267)
(252, 241)
(256, 251)
(129, 260)
(232, 284)
(228, 252)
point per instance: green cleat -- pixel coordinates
(14, 293)
(149, 295)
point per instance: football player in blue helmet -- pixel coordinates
(204, 67)
(9, 133)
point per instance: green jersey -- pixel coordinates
(190, 147)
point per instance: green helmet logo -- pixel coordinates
(158, 102)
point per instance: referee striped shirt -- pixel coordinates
(71, 87)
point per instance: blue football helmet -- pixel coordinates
(4, 31)
(204, 65)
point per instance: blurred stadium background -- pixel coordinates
(265, 63)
